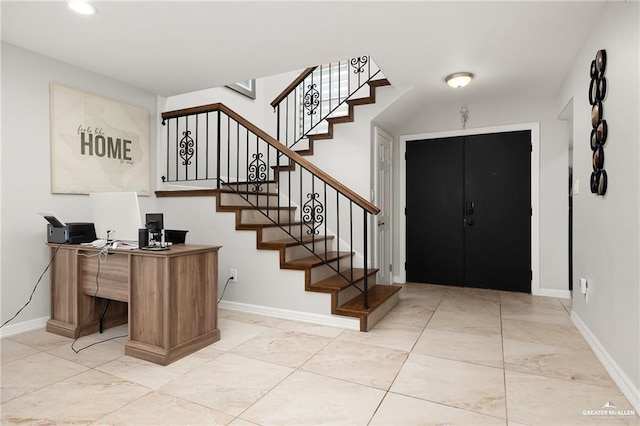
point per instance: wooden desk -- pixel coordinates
(169, 298)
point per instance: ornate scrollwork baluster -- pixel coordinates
(186, 148)
(311, 99)
(312, 213)
(359, 63)
(257, 172)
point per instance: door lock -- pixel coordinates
(380, 223)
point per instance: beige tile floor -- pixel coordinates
(443, 356)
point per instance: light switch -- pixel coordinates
(576, 187)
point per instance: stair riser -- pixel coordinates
(381, 311)
(230, 199)
(297, 252)
(251, 217)
(249, 187)
(321, 272)
(347, 294)
(295, 230)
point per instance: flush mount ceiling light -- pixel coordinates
(82, 7)
(459, 79)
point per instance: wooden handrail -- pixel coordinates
(292, 86)
(351, 195)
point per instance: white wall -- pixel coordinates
(553, 171)
(258, 110)
(26, 172)
(606, 229)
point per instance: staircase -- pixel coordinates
(317, 225)
(302, 120)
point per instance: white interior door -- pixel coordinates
(382, 199)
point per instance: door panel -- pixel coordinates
(469, 211)
(498, 182)
(435, 251)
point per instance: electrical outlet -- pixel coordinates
(234, 275)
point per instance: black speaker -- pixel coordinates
(143, 238)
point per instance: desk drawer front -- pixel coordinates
(112, 276)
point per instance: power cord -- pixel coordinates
(225, 287)
(35, 287)
(102, 257)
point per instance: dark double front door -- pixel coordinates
(469, 211)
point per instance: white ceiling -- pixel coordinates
(515, 48)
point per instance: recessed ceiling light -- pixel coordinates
(459, 79)
(82, 7)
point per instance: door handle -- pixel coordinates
(469, 207)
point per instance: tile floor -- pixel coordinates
(442, 356)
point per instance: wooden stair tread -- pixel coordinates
(378, 294)
(379, 82)
(311, 261)
(249, 207)
(340, 281)
(233, 191)
(187, 193)
(290, 242)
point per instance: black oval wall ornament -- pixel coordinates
(596, 114)
(598, 159)
(601, 61)
(594, 139)
(593, 183)
(602, 182)
(601, 90)
(599, 129)
(601, 132)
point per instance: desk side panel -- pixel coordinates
(63, 277)
(147, 299)
(193, 293)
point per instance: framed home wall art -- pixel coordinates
(97, 144)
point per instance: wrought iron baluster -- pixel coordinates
(206, 162)
(219, 120)
(237, 156)
(351, 237)
(366, 259)
(327, 213)
(196, 148)
(168, 175)
(228, 178)
(177, 148)
(301, 203)
(338, 225)
(186, 148)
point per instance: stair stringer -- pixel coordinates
(318, 276)
(356, 100)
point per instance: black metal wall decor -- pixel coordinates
(599, 130)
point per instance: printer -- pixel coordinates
(71, 232)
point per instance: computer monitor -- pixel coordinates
(118, 213)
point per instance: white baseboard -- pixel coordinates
(327, 320)
(23, 327)
(622, 380)
(549, 292)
